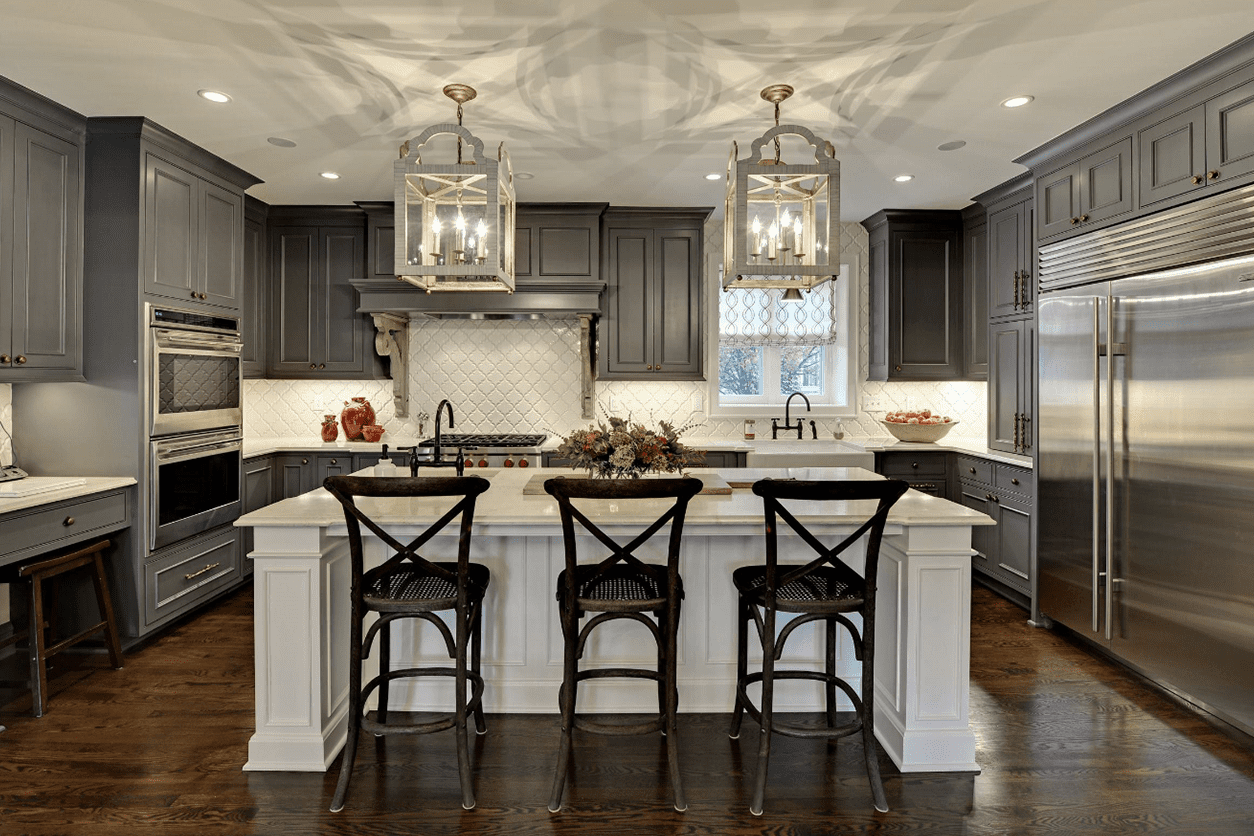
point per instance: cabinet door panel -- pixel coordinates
(221, 249)
(677, 337)
(1172, 155)
(926, 296)
(253, 301)
(1006, 246)
(629, 301)
(564, 252)
(983, 537)
(1106, 182)
(877, 301)
(342, 252)
(1057, 201)
(45, 247)
(975, 321)
(1006, 383)
(7, 310)
(170, 225)
(293, 282)
(1230, 133)
(1014, 541)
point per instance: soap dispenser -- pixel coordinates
(384, 467)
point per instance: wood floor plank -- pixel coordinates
(1068, 743)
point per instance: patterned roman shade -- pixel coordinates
(759, 316)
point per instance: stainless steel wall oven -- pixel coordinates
(195, 484)
(195, 371)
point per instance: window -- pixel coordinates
(769, 348)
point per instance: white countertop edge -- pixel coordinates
(93, 484)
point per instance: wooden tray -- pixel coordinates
(714, 484)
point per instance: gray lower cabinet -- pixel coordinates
(1003, 553)
(916, 295)
(254, 296)
(180, 577)
(259, 484)
(314, 327)
(47, 528)
(42, 149)
(295, 474)
(650, 328)
(925, 472)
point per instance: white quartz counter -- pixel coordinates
(86, 486)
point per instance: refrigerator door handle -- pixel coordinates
(1097, 456)
(1110, 464)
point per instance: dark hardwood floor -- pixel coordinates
(1068, 744)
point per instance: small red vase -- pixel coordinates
(357, 413)
(330, 429)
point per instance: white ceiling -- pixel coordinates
(630, 102)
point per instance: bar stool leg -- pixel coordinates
(476, 643)
(570, 673)
(106, 613)
(38, 664)
(831, 672)
(868, 730)
(459, 698)
(672, 702)
(354, 713)
(385, 667)
(742, 664)
(768, 710)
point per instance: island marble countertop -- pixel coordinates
(505, 505)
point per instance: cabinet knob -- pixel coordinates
(1075, 221)
(657, 368)
(67, 522)
(334, 461)
(304, 461)
(915, 465)
(1213, 174)
(4, 358)
(322, 365)
(193, 294)
(20, 359)
(994, 499)
(1197, 179)
(649, 367)
(1083, 218)
(313, 365)
(204, 296)
(1014, 481)
(971, 470)
(898, 368)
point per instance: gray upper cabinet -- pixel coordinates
(41, 238)
(1011, 257)
(1094, 189)
(254, 297)
(557, 244)
(1208, 145)
(193, 242)
(975, 276)
(650, 327)
(315, 330)
(916, 295)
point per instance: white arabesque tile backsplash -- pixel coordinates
(523, 376)
(6, 421)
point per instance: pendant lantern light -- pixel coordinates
(782, 221)
(454, 219)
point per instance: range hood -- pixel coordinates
(530, 301)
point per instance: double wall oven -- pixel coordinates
(195, 423)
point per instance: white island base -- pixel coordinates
(301, 583)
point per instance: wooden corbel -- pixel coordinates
(587, 388)
(392, 341)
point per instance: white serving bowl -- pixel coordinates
(924, 433)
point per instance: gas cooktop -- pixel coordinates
(497, 440)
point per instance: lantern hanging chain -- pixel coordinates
(459, 139)
(777, 138)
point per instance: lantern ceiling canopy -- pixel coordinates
(782, 222)
(454, 218)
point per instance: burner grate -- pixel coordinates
(487, 440)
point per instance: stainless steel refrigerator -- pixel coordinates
(1145, 467)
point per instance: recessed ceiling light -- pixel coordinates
(213, 96)
(903, 178)
(330, 175)
(523, 175)
(713, 177)
(952, 146)
(281, 142)
(1016, 101)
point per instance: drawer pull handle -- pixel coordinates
(208, 568)
(67, 522)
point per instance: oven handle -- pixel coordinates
(225, 343)
(197, 451)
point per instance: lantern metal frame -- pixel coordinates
(424, 188)
(754, 181)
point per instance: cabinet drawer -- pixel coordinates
(51, 527)
(185, 574)
(1014, 479)
(911, 466)
(931, 487)
(971, 469)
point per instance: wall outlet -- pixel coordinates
(698, 402)
(614, 403)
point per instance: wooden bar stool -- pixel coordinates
(826, 590)
(409, 586)
(31, 576)
(620, 586)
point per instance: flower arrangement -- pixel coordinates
(628, 450)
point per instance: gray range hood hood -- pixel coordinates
(529, 301)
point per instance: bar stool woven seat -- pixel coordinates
(409, 586)
(620, 586)
(826, 590)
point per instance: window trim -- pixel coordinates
(850, 269)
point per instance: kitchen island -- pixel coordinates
(302, 574)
